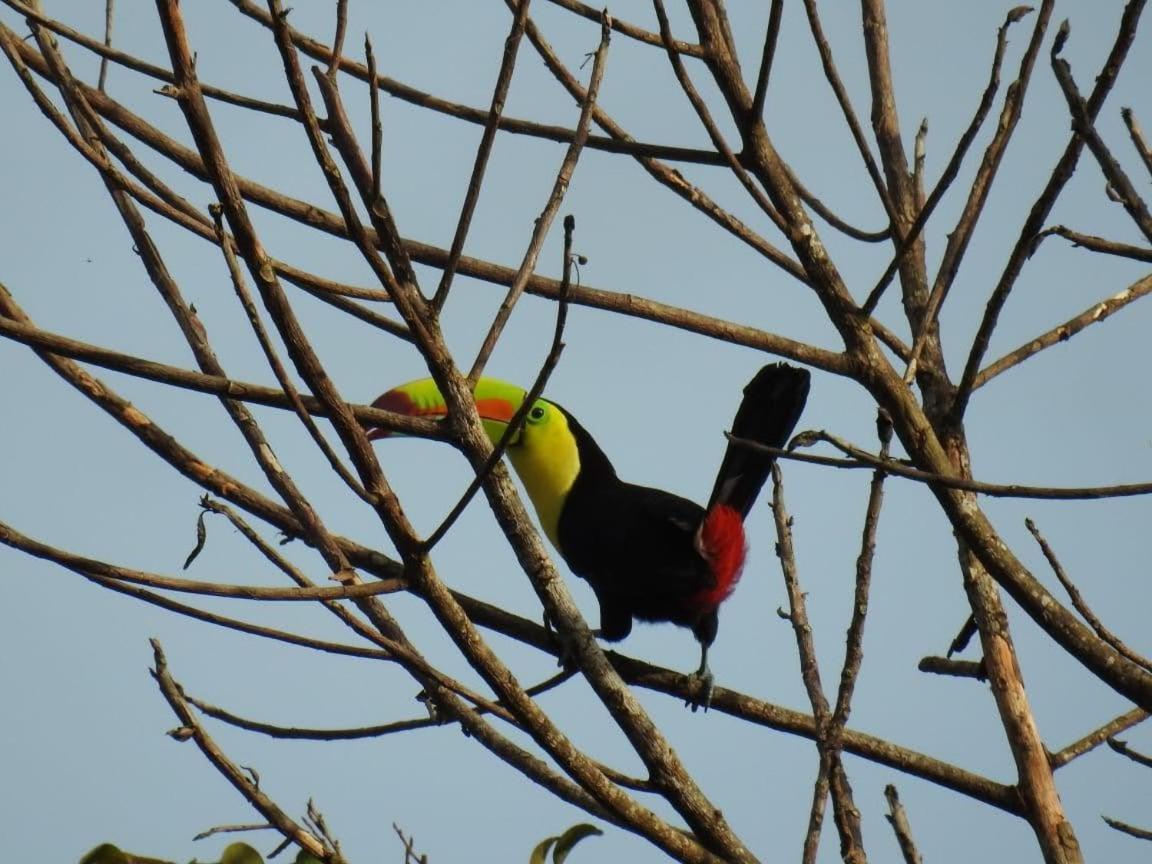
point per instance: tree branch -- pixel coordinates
(1081, 606)
(1038, 215)
(232, 772)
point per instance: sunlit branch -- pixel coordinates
(1099, 736)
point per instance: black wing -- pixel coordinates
(636, 547)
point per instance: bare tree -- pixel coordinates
(880, 290)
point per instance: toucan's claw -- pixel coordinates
(700, 684)
(434, 712)
(564, 658)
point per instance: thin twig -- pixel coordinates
(377, 125)
(109, 17)
(1137, 136)
(218, 385)
(1097, 244)
(593, 13)
(338, 39)
(1083, 123)
(662, 173)
(816, 812)
(919, 154)
(232, 772)
(1062, 332)
(1098, 736)
(1123, 749)
(809, 668)
(953, 167)
(338, 609)
(824, 212)
(853, 656)
(266, 549)
(483, 152)
(846, 815)
(410, 856)
(1081, 606)
(395, 274)
(898, 819)
(833, 78)
(963, 636)
(544, 220)
(302, 733)
(714, 133)
(162, 602)
(961, 234)
(1130, 830)
(862, 459)
(534, 392)
(232, 829)
(78, 563)
(771, 34)
(955, 668)
(1038, 215)
(298, 733)
(854, 639)
(240, 286)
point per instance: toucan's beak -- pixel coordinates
(496, 402)
(398, 402)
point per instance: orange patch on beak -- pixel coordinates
(399, 402)
(500, 410)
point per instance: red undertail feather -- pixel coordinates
(722, 543)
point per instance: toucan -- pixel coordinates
(648, 554)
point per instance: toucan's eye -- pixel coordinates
(536, 414)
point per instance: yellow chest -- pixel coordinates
(547, 463)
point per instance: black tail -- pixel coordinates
(769, 412)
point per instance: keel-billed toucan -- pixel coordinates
(648, 554)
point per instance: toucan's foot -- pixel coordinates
(700, 683)
(564, 658)
(700, 686)
(434, 712)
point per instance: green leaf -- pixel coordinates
(240, 853)
(570, 838)
(105, 853)
(303, 857)
(540, 853)
(563, 844)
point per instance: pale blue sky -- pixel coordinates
(82, 750)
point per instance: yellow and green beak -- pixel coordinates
(497, 402)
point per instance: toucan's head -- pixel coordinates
(544, 451)
(496, 401)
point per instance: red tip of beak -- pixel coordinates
(398, 402)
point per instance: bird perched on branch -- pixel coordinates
(648, 554)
